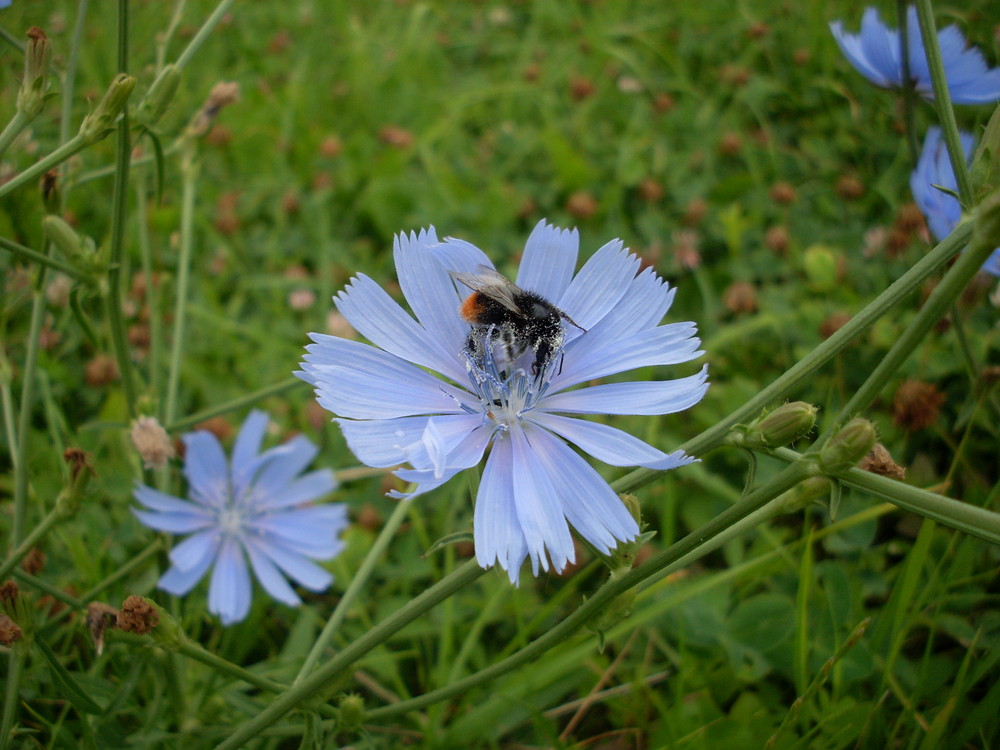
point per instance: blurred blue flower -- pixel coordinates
(393, 411)
(5, 3)
(942, 209)
(254, 507)
(877, 54)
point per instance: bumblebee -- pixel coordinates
(502, 312)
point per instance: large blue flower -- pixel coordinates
(255, 507)
(393, 411)
(877, 54)
(942, 209)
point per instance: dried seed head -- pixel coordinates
(137, 615)
(916, 405)
(152, 442)
(879, 461)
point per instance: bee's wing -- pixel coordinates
(491, 283)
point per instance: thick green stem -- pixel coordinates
(42, 259)
(17, 124)
(342, 661)
(36, 170)
(804, 368)
(12, 696)
(357, 584)
(199, 39)
(949, 127)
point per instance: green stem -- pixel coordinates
(69, 81)
(198, 653)
(12, 40)
(944, 294)
(123, 571)
(199, 39)
(152, 292)
(11, 695)
(45, 587)
(359, 581)
(7, 402)
(949, 127)
(57, 157)
(14, 128)
(163, 40)
(342, 661)
(24, 547)
(234, 404)
(686, 549)
(189, 174)
(41, 258)
(24, 418)
(804, 368)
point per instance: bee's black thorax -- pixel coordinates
(535, 325)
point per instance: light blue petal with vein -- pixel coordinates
(609, 444)
(374, 394)
(645, 303)
(281, 465)
(542, 521)
(178, 582)
(644, 398)
(245, 456)
(206, 469)
(466, 453)
(549, 261)
(230, 590)
(586, 499)
(992, 265)
(496, 529)
(664, 345)
(159, 501)
(271, 578)
(599, 286)
(384, 442)
(377, 317)
(308, 487)
(174, 522)
(193, 551)
(301, 569)
(315, 527)
(459, 255)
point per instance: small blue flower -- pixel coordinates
(534, 486)
(942, 209)
(877, 54)
(254, 507)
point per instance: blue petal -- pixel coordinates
(585, 498)
(664, 345)
(174, 523)
(992, 265)
(609, 444)
(300, 569)
(390, 442)
(645, 303)
(230, 590)
(179, 581)
(459, 255)
(600, 285)
(246, 449)
(496, 529)
(549, 260)
(206, 469)
(466, 453)
(648, 398)
(377, 317)
(159, 501)
(271, 578)
(540, 516)
(280, 466)
(192, 553)
(305, 489)
(315, 527)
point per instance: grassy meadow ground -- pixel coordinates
(730, 145)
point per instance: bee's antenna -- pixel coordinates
(567, 317)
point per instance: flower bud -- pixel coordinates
(99, 123)
(352, 711)
(985, 170)
(63, 236)
(986, 230)
(144, 616)
(805, 492)
(845, 449)
(152, 442)
(820, 266)
(784, 425)
(159, 96)
(32, 95)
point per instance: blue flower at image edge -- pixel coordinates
(941, 209)
(534, 486)
(876, 53)
(253, 507)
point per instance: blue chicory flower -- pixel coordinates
(942, 209)
(877, 54)
(393, 411)
(255, 507)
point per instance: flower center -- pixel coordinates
(232, 520)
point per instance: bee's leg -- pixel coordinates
(543, 352)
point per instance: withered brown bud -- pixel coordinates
(34, 562)
(581, 88)
(369, 518)
(217, 426)
(833, 323)
(395, 136)
(849, 187)
(916, 405)
(663, 103)
(101, 370)
(79, 462)
(650, 190)
(100, 617)
(783, 193)
(581, 205)
(137, 616)
(152, 442)
(909, 218)
(776, 240)
(740, 297)
(331, 146)
(730, 144)
(879, 461)
(10, 633)
(694, 212)
(9, 592)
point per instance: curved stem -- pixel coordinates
(199, 39)
(42, 259)
(357, 584)
(73, 146)
(14, 128)
(233, 404)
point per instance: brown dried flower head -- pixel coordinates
(100, 617)
(10, 633)
(879, 461)
(916, 405)
(152, 442)
(137, 616)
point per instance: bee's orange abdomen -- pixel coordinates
(473, 308)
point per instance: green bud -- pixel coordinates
(32, 94)
(802, 494)
(16, 606)
(80, 473)
(624, 554)
(615, 611)
(986, 230)
(985, 170)
(784, 425)
(99, 123)
(142, 615)
(159, 96)
(352, 711)
(848, 447)
(820, 266)
(63, 236)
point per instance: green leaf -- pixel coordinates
(70, 690)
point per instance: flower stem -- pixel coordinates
(206, 28)
(73, 146)
(15, 666)
(24, 547)
(234, 404)
(189, 175)
(804, 368)
(14, 128)
(42, 259)
(341, 662)
(942, 97)
(357, 584)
